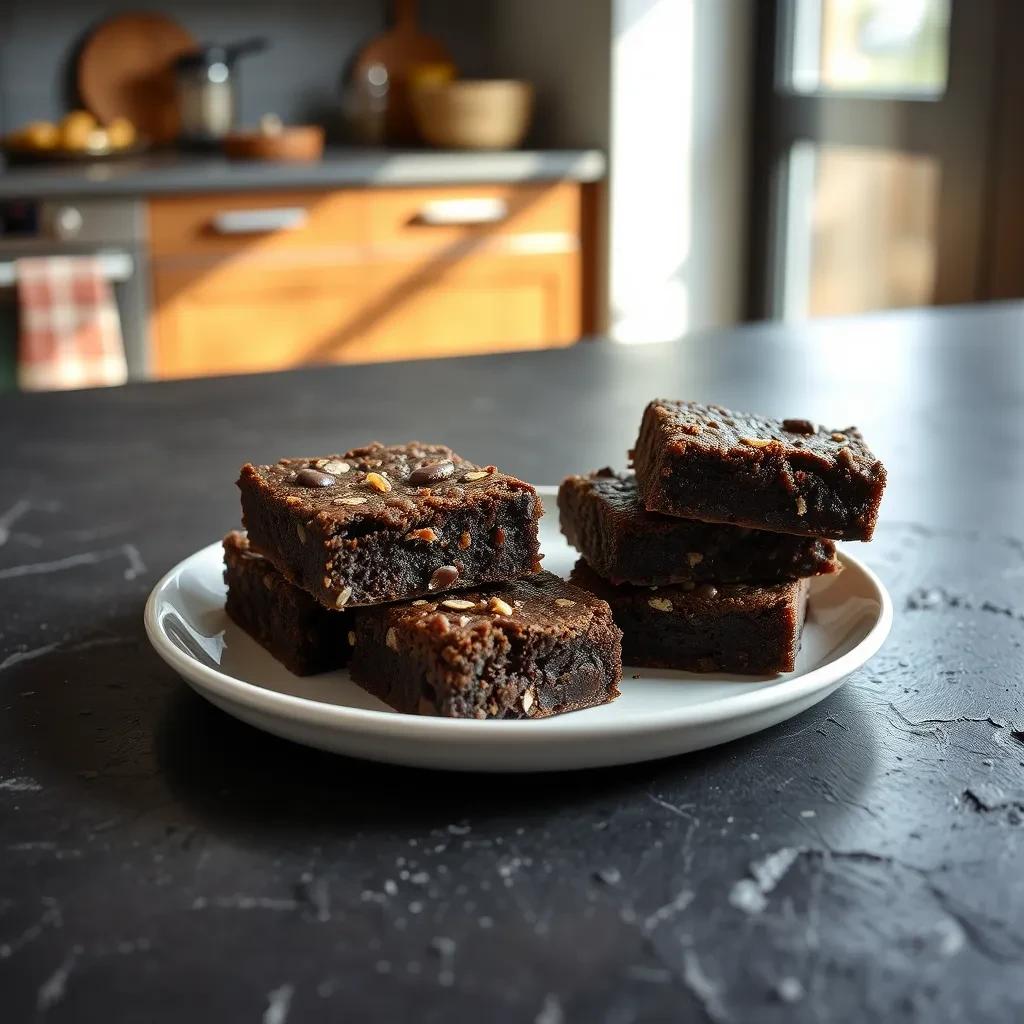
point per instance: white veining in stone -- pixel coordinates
(21, 784)
(20, 656)
(703, 988)
(750, 894)
(669, 910)
(128, 551)
(51, 917)
(51, 992)
(279, 1002)
(551, 1012)
(19, 509)
(241, 901)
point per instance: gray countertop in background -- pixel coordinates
(171, 172)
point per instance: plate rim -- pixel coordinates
(368, 721)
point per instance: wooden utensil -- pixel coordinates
(401, 48)
(299, 143)
(126, 69)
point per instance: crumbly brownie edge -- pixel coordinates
(388, 565)
(603, 518)
(285, 621)
(490, 664)
(761, 485)
(584, 526)
(663, 628)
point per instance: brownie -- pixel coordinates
(790, 476)
(388, 523)
(533, 648)
(303, 635)
(734, 627)
(603, 518)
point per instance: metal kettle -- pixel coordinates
(207, 90)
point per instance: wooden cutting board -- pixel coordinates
(399, 49)
(126, 69)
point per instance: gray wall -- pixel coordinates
(564, 48)
(299, 77)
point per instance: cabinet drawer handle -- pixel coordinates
(462, 211)
(256, 222)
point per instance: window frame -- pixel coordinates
(946, 127)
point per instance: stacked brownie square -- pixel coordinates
(421, 571)
(704, 551)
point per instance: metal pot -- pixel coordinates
(207, 87)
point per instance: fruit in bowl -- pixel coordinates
(77, 134)
(39, 135)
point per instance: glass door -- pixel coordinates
(870, 139)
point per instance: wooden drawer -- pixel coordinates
(367, 224)
(261, 282)
(407, 223)
(263, 224)
(481, 304)
(230, 320)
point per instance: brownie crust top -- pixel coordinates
(722, 432)
(392, 485)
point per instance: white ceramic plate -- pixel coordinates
(659, 714)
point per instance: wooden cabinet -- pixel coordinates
(482, 304)
(266, 281)
(241, 320)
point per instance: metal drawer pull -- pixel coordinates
(115, 267)
(257, 222)
(463, 211)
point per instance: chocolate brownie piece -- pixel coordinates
(603, 518)
(790, 476)
(303, 635)
(533, 648)
(388, 523)
(732, 627)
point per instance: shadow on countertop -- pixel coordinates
(117, 736)
(233, 774)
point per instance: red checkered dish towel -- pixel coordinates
(69, 332)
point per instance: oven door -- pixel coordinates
(122, 267)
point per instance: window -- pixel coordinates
(892, 47)
(875, 125)
(860, 234)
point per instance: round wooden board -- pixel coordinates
(126, 69)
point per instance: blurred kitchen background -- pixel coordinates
(200, 187)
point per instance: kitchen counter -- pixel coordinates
(176, 173)
(161, 861)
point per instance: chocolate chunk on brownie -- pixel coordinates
(732, 627)
(533, 648)
(604, 519)
(303, 635)
(790, 476)
(389, 523)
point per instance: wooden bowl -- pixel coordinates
(473, 114)
(295, 144)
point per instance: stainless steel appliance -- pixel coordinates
(207, 90)
(111, 229)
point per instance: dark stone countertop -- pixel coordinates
(341, 167)
(160, 861)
